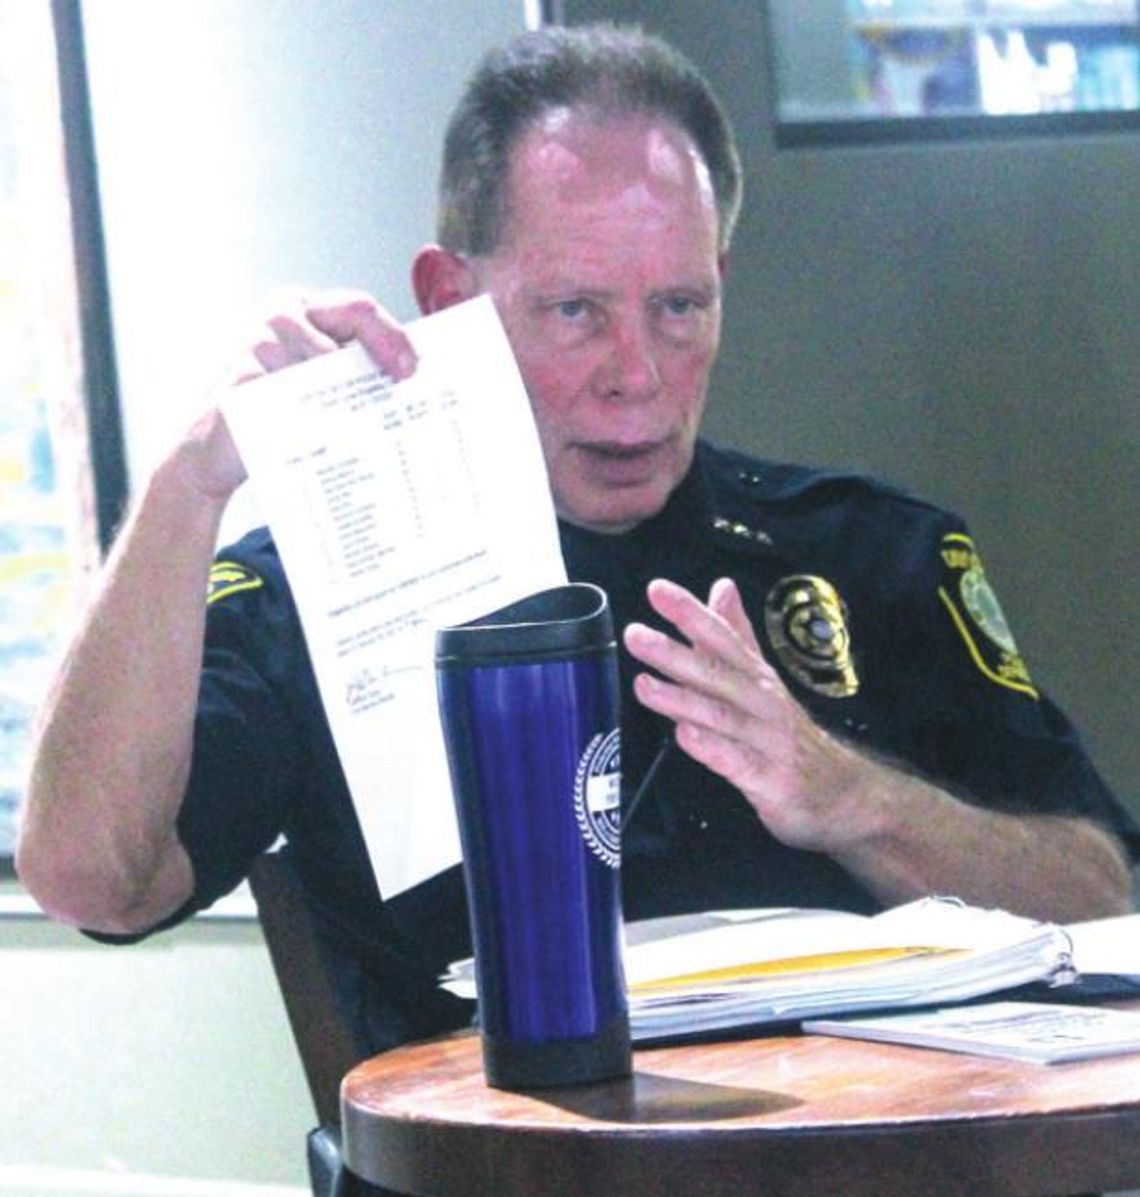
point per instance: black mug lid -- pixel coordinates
(563, 620)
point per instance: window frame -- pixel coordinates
(92, 409)
(841, 131)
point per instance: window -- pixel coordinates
(51, 518)
(852, 69)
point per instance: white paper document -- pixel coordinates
(400, 508)
(1108, 947)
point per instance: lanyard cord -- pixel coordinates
(647, 780)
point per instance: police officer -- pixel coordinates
(849, 721)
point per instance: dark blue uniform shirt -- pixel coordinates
(873, 605)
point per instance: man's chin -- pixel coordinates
(615, 512)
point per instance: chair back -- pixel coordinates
(323, 1038)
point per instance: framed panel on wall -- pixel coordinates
(62, 479)
(875, 70)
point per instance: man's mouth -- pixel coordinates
(619, 451)
(624, 463)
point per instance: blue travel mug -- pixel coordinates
(529, 704)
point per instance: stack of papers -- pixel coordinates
(714, 972)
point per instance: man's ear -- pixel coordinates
(441, 279)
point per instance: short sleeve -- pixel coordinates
(1003, 741)
(244, 760)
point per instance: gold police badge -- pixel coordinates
(973, 607)
(807, 627)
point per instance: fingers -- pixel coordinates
(292, 336)
(733, 713)
(725, 600)
(713, 676)
(718, 639)
(354, 316)
(303, 325)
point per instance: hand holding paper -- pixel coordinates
(398, 508)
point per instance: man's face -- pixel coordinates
(608, 282)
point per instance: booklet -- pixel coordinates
(1040, 1032)
(724, 970)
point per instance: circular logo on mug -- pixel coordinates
(597, 797)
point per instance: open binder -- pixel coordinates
(698, 975)
(750, 968)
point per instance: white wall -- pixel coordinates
(163, 1069)
(251, 145)
(243, 145)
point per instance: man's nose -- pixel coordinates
(631, 371)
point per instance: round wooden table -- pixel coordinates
(771, 1115)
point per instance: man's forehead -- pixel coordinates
(570, 147)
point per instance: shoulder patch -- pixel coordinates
(228, 577)
(974, 609)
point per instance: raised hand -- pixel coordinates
(734, 714)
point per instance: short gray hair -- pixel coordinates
(604, 69)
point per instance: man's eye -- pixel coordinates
(679, 305)
(572, 309)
